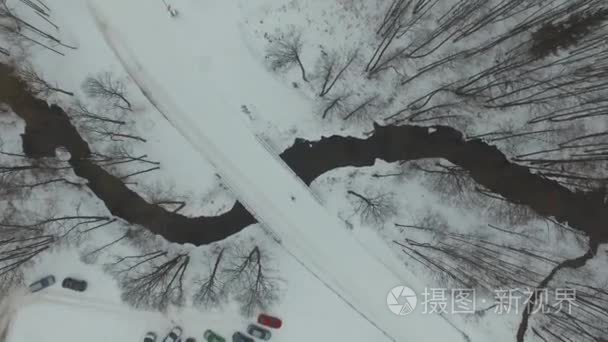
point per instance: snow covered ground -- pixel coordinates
(310, 311)
(315, 244)
(204, 70)
(264, 184)
(197, 185)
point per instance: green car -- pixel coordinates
(211, 336)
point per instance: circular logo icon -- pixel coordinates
(401, 300)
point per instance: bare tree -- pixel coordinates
(284, 51)
(211, 288)
(164, 195)
(19, 173)
(374, 209)
(361, 111)
(119, 155)
(17, 31)
(21, 242)
(105, 125)
(107, 87)
(112, 132)
(335, 105)
(446, 179)
(505, 211)
(250, 279)
(582, 321)
(393, 25)
(91, 255)
(19, 245)
(10, 280)
(88, 117)
(37, 84)
(152, 280)
(329, 70)
(469, 261)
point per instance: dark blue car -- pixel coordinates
(74, 284)
(240, 337)
(259, 332)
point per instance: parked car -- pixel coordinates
(150, 337)
(190, 339)
(259, 332)
(174, 335)
(74, 284)
(42, 283)
(270, 321)
(240, 337)
(212, 336)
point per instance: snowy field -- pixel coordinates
(212, 115)
(309, 310)
(274, 194)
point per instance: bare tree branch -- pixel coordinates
(37, 84)
(106, 87)
(147, 283)
(284, 51)
(250, 280)
(211, 288)
(374, 209)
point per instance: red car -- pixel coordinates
(269, 321)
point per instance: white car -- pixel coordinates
(174, 335)
(42, 283)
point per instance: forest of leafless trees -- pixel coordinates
(528, 77)
(540, 64)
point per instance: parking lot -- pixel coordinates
(55, 316)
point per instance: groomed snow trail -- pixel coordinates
(201, 97)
